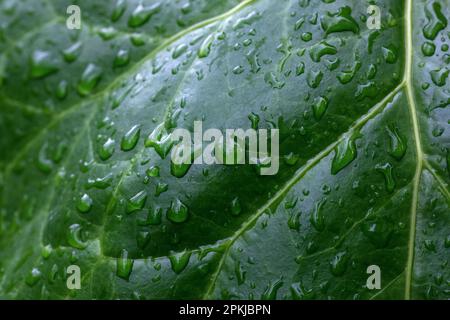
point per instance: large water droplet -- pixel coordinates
(436, 20)
(89, 79)
(42, 64)
(84, 204)
(179, 261)
(317, 218)
(338, 265)
(136, 202)
(107, 149)
(160, 140)
(142, 14)
(339, 22)
(345, 153)
(319, 50)
(178, 212)
(75, 237)
(320, 106)
(131, 138)
(397, 146)
(387, 171)
(118, 10)
(124, 266)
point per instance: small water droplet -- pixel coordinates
(179, 261)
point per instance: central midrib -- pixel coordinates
(415, 122)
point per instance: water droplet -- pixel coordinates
(347, 76)
(100, 183)
(378, 232)
(154, 217)
(300, 69)
(89, 80)
(367, 90)
(436, 20)
(46, 251)
(142, 14)
(270, 293)
(298, 292)
(84, 204)
(389, 54)
(136, 202)
(317, 218)
(314, 78)
(122, 58)
(71, 53)
(254, 119)
(33, 277)
(273, 81)
(345, 153)
(247, 20)
(118, 10)
(161, 187)
(44, 163)
(152, 172)
(253, 60)
(178, 212)
(294, 221)
(205, 48)
(179, 50)
(306, 36)
(387, 171)
(42, 64)
(428, 49)
(339, 22)
(319, 50)
(291, 159)
(440, 76)
(179, 170)
(131, 138)
(236, 208)
(143, 239)
(397, 146)
(238, 70)
(320, 106)
(299, 23)
(160, 140)
(179, 261)
(338, 265)
(107, 149)
(124, 266)
(107, 33)
(75, 237)
(62, 89)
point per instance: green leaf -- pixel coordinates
(85, 179)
